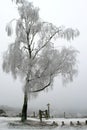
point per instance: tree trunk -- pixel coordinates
(24, 109)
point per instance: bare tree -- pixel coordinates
(33, 55)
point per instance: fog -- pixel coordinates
(70, 13)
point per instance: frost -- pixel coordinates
(33, 56)
(5, 124)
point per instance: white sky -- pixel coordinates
(71, 13)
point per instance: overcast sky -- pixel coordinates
(71, 13)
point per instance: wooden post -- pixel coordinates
(40, 115)
(33, 114)
(78, 123)
(64, 115)
(71, 123)
(46, 114)
(48, 110)
(63, 123)
(86, 122)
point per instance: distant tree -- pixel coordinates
(33, 55)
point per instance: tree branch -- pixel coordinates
(38, 90)
(46, 43)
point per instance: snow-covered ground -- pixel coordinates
(4, 124)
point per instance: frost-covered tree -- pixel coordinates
(33, 56)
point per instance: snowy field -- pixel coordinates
(4, 124)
